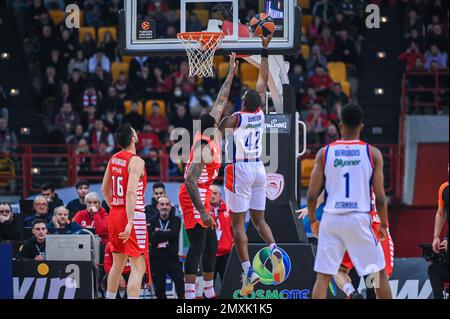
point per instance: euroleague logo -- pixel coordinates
(146, 26)
(262, 263)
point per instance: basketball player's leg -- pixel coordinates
(115, 274)
(240, 235)
(138, 269)
(343, 280)
(382, 288)
(197, 240)
(209, 263)
(320, 289)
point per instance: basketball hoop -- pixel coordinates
(200, 48)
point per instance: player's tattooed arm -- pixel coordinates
(222, 97)
(263, 77)
(106, 186)
(195, 170)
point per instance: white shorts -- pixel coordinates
(245, 186)
(353, 233)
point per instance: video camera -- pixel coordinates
(429, 255)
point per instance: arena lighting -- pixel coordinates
(384, 19)
(14, 92)
(35, 171)
(381, 55)
(25, 131)
(4, 56)
(379, 91)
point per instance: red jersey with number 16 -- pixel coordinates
(210, 172)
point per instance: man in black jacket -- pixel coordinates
(35, 246)
(48, 191)
(151, 211)
(10, 228)
(164, 232)
(74, 206)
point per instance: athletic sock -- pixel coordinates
(111, 295)
(348, 289)
(189, 291)
(246, 266)
(209, 289)
(272, 246)
(132, 297)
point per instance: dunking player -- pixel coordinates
(123, 188)
(352, 171)
(342, 278)
(195, 194)
(245, 178)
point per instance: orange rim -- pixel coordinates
(203, 38)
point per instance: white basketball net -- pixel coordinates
(200, 49)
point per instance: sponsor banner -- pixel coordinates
(278, 123)
(52, 279)
(6, 291)
(145, 29)
(274, 185)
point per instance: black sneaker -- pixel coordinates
(355, 295)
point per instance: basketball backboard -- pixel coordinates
(151, 28)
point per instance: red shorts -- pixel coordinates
(191, 216)
(137, 244)
(388, 250)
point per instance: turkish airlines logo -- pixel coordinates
(146, 25)
(274, 185)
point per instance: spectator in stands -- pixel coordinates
(65, 95)
(136, 120)
(417, 38)
(320, 81)
(315, 28)
(110, 15)
(148, 140)
(413, 22)
(317, 124)
(338, 24)
(79, 62)
(101, 80)
(315, 58)
(332, 134)
(100, 160)
(56, 61)
(411, 55)
(82, 151)
(223, 231)
(50, 84)
(88, 118)
(163, 83)
(88, 45)
(77, 204)
(325, 10)
(40, 207)
(435, 54)
(348, 8)
(93, 13)
(200, 100)
(310, 98)
(76, 87)
(437, 37)
(111, 101)
(8, 139)
(109, 46)
(66, 46)
(67, 119)
(34, 247)
(194, 24)
(326, 43)
(99, 58)
(111, 120)
(10, 227)
(48, 191)
(181, 118)
(164, 233)
(121, 86)
(298, 81)
(94, 217)
(99, 134)
(61, 223)
(345, 50)
(159, 190)
(183, 80)
(136, 65)
(90, 96)
(336, 95)
(46, 43)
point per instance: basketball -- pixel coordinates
(262, 24)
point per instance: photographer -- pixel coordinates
(438, 270)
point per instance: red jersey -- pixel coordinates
(209, 174)
(223, 229)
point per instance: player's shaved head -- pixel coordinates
(251, 100)
(352, 116)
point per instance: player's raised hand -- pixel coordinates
(266, 40)
(314, 225)
(302, 213)
(234, 64)
(125, 235)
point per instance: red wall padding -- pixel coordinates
(431, 172)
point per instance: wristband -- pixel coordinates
(265, 53)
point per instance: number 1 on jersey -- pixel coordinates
(347, 185)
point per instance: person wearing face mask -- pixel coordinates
(61, 223)
(94, 216)
(164, 234)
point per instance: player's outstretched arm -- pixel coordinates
(315, 186)
(263, 77)
(378, 188)
(222, 97)
(106, 186)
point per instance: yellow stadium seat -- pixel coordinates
(305, 51)
(203, 16)
(57, 16)
(127, 59)
(306, 21)
(81, 18)
(307, 167)
(116, 68)
(250, 84)
(103, 30)
(127, 106)
(149, 107)
(304, 4)
(346, 88)
(338, 71)
(223, 69)
(83, 30)
(249, 72)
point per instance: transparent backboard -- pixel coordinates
(151, 27)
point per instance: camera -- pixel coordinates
(429, 255)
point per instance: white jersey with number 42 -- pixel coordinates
(248, 135)
(348, 169)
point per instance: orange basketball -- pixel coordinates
(262, 24)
